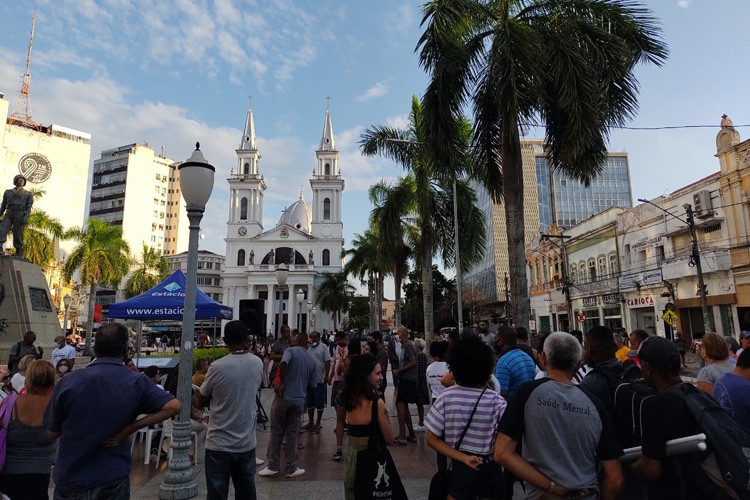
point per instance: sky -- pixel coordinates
(173, 73)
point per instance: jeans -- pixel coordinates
(285, 422)
(222, 465)
(116, 490)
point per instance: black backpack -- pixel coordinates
(723, 470)
(627, 392)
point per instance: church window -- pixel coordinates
(246, 168)
(327, 169)
(327, 209)
(241, 258)
(243, 209)
(326, 258)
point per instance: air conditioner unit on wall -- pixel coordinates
(702, 203)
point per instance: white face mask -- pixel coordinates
(62, 368)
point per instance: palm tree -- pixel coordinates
(151, 269)
(366, 260)
(427, 188)
(565, 64)
(334, 295)
(393, 204)
(102, 256)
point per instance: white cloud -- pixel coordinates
(400, 121)
(684, 3)
(378, 90)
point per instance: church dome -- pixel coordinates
(298, 215)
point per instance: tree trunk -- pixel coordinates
(427, 302)
(514, 222)
(90, 319)
(380, 300)
(371, 299)
(397, 296)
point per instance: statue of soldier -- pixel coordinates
(16, 206)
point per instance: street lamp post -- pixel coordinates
(66, 302)
(282, 273)
(196, 183)
(300, 300)
(313, 311)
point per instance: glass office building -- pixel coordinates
(568, 202)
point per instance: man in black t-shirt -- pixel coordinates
(664, 416)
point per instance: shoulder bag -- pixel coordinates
(376, 474)
(6, 409)
(440, 481)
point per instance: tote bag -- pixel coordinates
(376, 475)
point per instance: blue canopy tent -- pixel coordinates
(166, 301)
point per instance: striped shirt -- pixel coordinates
(513, 369)
(450, 413)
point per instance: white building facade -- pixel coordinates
(308, 238)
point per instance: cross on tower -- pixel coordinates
(328, 102)
(250, 100)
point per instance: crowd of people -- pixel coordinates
(551, 417)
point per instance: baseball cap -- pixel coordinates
(660, 353)
(744, 334)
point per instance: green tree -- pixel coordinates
(567, 65)
(334, 295)
(368, 263)
(445, 300)
(101, 257)
(151, 268)
(427, 198)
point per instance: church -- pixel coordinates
(307, 239)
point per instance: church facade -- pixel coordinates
(307, 239)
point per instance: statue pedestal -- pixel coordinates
(25, 304)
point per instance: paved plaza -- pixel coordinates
(323, 477)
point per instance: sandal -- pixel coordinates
(399, 441)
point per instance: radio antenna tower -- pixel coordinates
(22, 110)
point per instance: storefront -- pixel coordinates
(600, 310)
(722, 315)
(642, 314)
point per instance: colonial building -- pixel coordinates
(734, 180)
(308, 238)
(210, 268)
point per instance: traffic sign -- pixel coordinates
(581, 317)
(669, 318)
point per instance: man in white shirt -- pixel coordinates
(63, 351)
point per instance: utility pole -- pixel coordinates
(508, 309)
(459, 281)
(695, 258)
(566, 284)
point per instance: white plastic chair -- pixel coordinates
(148, 434)
(166, 432)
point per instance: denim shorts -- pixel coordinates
(316, 397)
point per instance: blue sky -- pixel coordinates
(170, 73)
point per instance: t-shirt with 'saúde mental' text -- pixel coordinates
(564, 433)
(232, 382)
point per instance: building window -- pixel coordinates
(241, 258)
(613, 267)
(326, 258)
(602, 267)
(327, 209)
(592, 270)
(243, 209)
(327, 169)
(246, 169)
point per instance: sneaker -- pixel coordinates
(337, 455)
(268, 472)
(316, 429)
(419, 428)
(297, 472)
(259, 461)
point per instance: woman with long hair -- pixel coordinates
(353, 349)
(361, 383)
(30, 452)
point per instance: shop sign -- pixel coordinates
(611, 298)
(561, 307)
(581, 317)
(652, 277)
(640, 279)
(646, 243)
(641, 302)
(589, 301)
